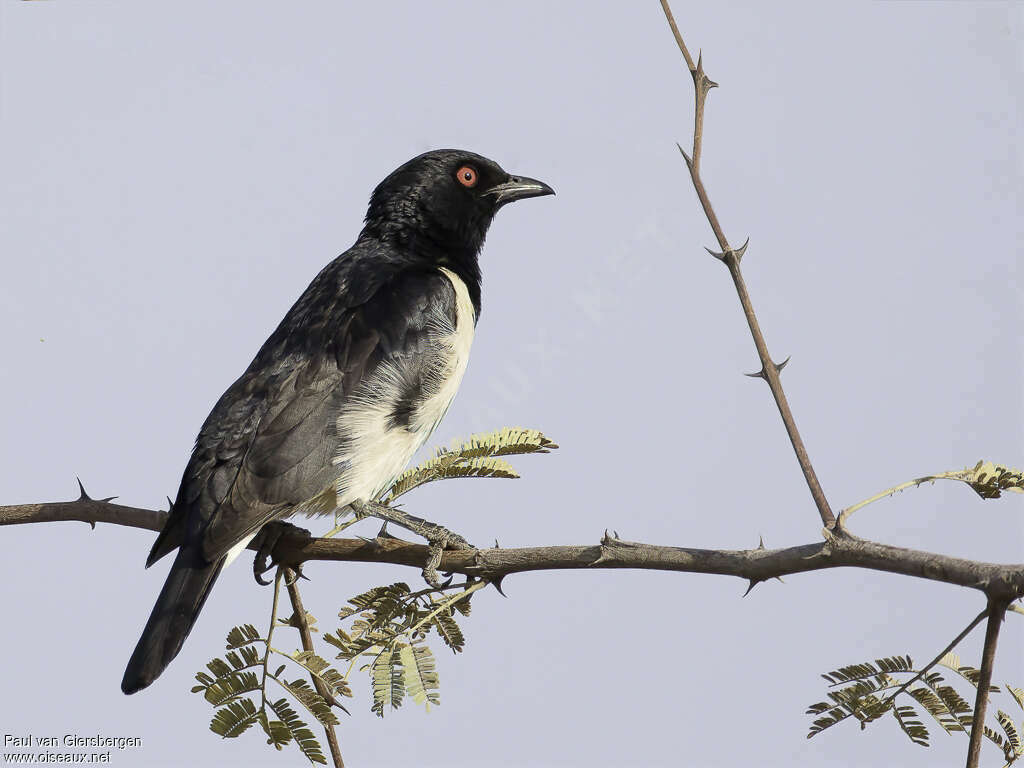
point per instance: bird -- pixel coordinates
(349, 385)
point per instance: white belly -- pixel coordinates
(377, 452)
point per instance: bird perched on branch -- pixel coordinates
(346, 389)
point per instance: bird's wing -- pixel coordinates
(268, 446)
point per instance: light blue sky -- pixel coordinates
(174, 174)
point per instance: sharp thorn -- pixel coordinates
(757, 374)
(496, 544)
(92, 523)
(780, 579)
(753, 583)
(383, 532)
(700, 60)
(83, 496)
(616, 533)
(496, 583)
(783, 364)
(170, 505)
(742, 249)
(107, 500)
(760, 544)
(686, 157)
(716, 254)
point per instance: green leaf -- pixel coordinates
(419, 674)
(935, 707)
(277, 732)
(989, 480)
(227, 688)
(1018, 695)
(908, 720)
(449, 631)
(234, 719)
(1010, 729)
(388, 681)
(299, 731)
(245, 634)
(314, 703)
(324, 671)
(502, 442)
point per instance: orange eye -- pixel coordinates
(467, 176)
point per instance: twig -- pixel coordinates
(299, 612)
(963, 475)
(731, 258)
(942, 653)
(996, 610)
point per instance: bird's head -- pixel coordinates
(441, 203)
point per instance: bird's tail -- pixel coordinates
(176, 609)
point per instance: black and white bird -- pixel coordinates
(346, 389)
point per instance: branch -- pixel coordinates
(941, 655)
(996, 611)
(731, 257)
(840, 549)
(291, 578)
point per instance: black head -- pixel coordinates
(440, 204)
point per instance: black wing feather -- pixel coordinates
(267, 446)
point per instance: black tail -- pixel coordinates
(175, 612)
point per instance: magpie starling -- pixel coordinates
(346, 389)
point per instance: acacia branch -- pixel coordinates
(840, 549)
(731, 257)
(291, 578)
(996, 611)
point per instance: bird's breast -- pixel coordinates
(402, 401)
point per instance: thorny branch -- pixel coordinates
(731, 257)
(770, 371)
(840, 549)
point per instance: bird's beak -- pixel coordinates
(518, 188)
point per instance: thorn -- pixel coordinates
(496, 544)
(783, 364)
(170, 505)
(83, 496)
(780, 579)
(760, 544)
(616, 533)
(383, 532)
(706, 83)
(758, 375)
(716, 254)
(606, 539)
(496, 583)
(753, 583)
(741, 250)
(373, 544)
(686, 157)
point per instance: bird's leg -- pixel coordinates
(265, 541)
(439, 537)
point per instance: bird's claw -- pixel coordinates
(266, 540)
(440, 540)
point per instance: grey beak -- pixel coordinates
(518, 188)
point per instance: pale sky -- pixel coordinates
(174, 174)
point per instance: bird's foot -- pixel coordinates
(266, 540)
(439, 537)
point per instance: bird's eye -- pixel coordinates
(467, 176)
